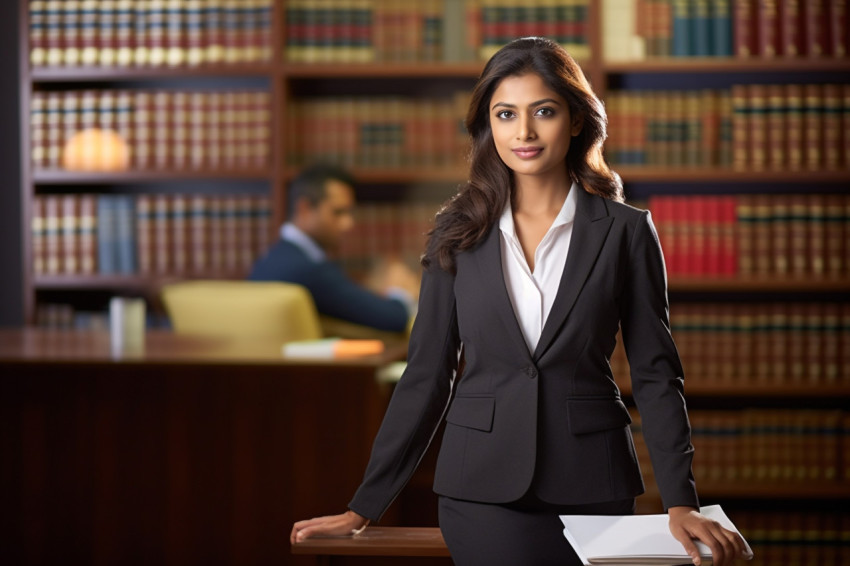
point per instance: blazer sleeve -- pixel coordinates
(656, 370)
(419, 400)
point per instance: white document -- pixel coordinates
(635, 539)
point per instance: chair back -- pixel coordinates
(243, 309)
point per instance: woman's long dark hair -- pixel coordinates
(468, 216)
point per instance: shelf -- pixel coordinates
(61, 177)
(93, 74)
(770, 489)
(415, 174)
(122, 282)
(654, 174)
(770, 390)
(359, 70)
(726, 65)
(766, 283)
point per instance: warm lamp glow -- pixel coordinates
(96, 150)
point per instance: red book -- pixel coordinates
(740, 128)
(776, 143)
(815, 28)
(835, 239)
(728, 236)
(798, 252)
(696, 218)
(816, 235)
(790, 28)
(744, 22)
(713, 235)
(683, 234)
(838, 39)
(813, 126)
(757, 104)
(767, 35)
(794, 126)
(832, 126)
(780, 238)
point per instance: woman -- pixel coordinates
(532, 267)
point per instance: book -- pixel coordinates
(331, 348)
(635, 539)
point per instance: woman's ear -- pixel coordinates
(576, 125)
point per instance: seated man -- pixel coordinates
(320, 213)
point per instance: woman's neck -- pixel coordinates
(535, 195)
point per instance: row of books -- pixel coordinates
(94, 317)
(801, 235)
(789, 127)
(768, 29)
(758, 445)
(386, 231)
(160, 129)
(387, 132)
(757, 344)
(429, 30)
(795, 537)
(148, 32)
(177, 234)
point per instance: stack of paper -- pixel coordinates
(635, 539)
(329, 348)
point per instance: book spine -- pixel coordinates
(832, 126)
(701, 28)
(88, 234)
(790, 28)
(179, 121)
(163, 261)
(744, 25)
(38, 33)
(157, 25)
(142, 138)
(145, 228)
(245, 231)
(816, 235)
(230, 231)
(141, 29)
(107, 36)
(69, 235)
(740, 128)
(214, 31)
(794, 126)
(180, 235)
(161, 129)
(199, 234)
(125, 33)
(125, 231)
(71, 36)
(838, 25)
(175, 33)
(195, 45)
(780, 239)
(835, 237)
(814, 28)
(197, 127)
(38, 227)
(106, 252)
(767, 28)
(721, 27)
(776, 128)
(813, 126)
(54, 132)
(798, 235)
(38, 130)
(53, 18)
(216, 234)
(757, 105)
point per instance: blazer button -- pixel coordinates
(531, 371)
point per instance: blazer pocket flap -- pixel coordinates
(595, 415)
(472, 412)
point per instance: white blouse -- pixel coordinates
(532, 294)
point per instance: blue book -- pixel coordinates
(701, 26)
(721, 28)
(125, 234)
(106, 257)
(682, 32)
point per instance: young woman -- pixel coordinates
(532, 268)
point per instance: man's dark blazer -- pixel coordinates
(333, 292)
(552, 420)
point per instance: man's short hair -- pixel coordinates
(310, 185)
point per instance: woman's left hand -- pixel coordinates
(686, 524)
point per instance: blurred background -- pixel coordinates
(151, 142)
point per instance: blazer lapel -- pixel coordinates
(590, 229)
(489, 257)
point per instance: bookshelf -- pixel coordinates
(411, 73)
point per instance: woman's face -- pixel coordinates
(531, 125)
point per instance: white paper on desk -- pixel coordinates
(634, 539)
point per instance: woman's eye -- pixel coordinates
(544, 112)
(504, 114)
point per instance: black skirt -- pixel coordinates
(527, 532)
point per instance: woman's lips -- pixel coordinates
(527, 152)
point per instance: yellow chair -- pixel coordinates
(243, 309)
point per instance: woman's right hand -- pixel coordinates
(345, 524)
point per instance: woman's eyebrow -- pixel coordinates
(536, 103)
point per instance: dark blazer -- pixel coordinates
(552, 421)
(333, 292)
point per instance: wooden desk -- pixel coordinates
(400, 543)
(198, 451)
